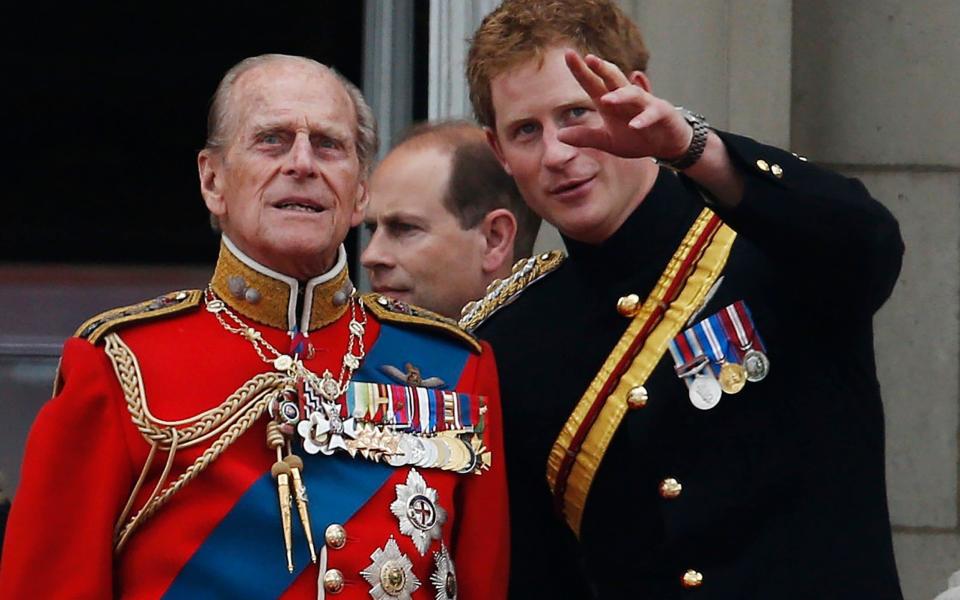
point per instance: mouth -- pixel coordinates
(301, 205)
(571, 186)
(389, 291)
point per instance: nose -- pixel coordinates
(375, 255)
(556, 154)
(300, 161)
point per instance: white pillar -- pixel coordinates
(452, 23)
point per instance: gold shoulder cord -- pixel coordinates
(502, 292)
(228, 421)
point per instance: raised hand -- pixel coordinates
(635, 122)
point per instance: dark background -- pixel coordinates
(107, 110)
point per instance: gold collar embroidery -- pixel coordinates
(270, 298)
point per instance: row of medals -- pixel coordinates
(705, 392)
(457, 451)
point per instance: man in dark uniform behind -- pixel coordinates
(691, 402)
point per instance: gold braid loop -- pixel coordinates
(229, 420)
(204, 425)
(243, 423)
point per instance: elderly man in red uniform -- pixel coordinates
(275, 435)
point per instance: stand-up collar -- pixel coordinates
(271, 298)
(645, 241)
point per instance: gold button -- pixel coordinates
(670, 488)
(763, 165)
(628, 305)
(776, 170)
(637, 397)
(692, 579)
(335, 536)
(333, 581)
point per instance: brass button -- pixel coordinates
(629, 305)
(670, 488)
(777, 171)
(333, 581)
(637, 397)
(692, 579)
(763, 165)
(335, 536)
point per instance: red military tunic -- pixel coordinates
(220, 534)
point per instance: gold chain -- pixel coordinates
(294, 366)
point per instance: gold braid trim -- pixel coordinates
(502, 292)
(230, 420)
(202, 426)
(389, 310)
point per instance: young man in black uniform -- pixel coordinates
(691, 402)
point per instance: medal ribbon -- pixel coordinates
(411, 409)
(681, 289)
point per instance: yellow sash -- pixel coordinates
(680, 291)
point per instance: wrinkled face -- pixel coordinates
(587, 194)
(287, 187)
(418, 253)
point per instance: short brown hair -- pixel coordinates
(478, 184)
(519, 30)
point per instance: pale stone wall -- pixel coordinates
(875, 85)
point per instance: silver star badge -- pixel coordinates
(391, 573)
(421, 516)
(444, 576)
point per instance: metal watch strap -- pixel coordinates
(697, 143)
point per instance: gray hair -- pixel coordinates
(218, 117)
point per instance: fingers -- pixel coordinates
(585, 137)
(591, 83)
(611, 74)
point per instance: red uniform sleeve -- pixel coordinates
(481, 547)
(76, 476)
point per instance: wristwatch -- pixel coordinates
(697, 144)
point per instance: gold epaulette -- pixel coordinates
(503, 292)
(95, 328)
(393, 311)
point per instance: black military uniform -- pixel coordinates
(778, 491)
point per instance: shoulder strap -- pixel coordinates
(392, 311)
(95, 328)
(502, 292)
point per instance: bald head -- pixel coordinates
(223, 119)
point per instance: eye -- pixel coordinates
(577, 111)
(270, 138)
(400, 228)
(525, 130)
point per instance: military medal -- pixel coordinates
(390, 575)
(756, 364)
(444, 576)
(693, 367)
(730, 375)
(420, 515)
(738, 322)
(705, 390)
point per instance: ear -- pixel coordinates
(499, 229)
(209, 165)
(640, 78)
(497, 151)
(360, 202)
